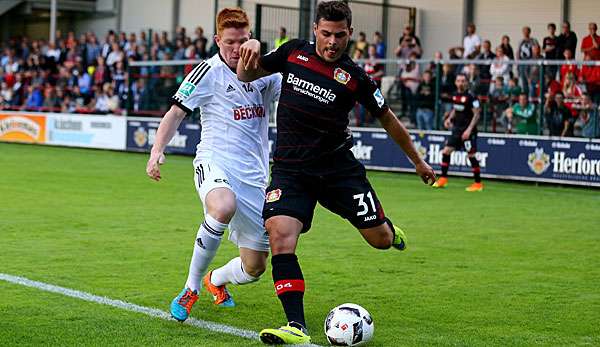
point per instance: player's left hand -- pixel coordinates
(425, 172)
(249, 54)
(466, 134)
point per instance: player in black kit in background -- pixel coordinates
(462, 120)
(312, 161)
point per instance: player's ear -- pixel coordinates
(315, 26)
(217, 39)
(351, 30)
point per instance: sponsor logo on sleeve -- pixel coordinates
(186, 89)
(379, 97)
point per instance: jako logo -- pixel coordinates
(313, 90)
(303, 58)
(362, 152)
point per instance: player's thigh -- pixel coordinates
(246, 228)
(352, 197)
(470, 145)
(455, 140)
(290, 194)
(208, 177)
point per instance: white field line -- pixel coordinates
(153, 312)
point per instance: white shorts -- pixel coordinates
(246, 228)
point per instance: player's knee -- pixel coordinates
(223, 210)
(384, 242)
(255, 270)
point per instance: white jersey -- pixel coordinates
(234, 118)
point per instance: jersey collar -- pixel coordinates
(224, 63)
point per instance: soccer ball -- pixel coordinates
(349, 325)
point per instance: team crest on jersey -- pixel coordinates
(538, 161)
(140, 137)
(341, 76)
(186, 89)
(273, 195)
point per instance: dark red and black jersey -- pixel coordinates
(463, 104)
(316, 97)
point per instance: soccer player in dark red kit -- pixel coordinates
(462, 120)
(312, 160)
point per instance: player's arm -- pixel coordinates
(476, 114)
(248, 68)
(448, 117)
(398, 132)
(166, 130)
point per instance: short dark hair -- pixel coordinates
(334, 11)
(552, 25)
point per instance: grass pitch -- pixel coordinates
(515, 265)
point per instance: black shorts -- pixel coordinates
(339, 183)
(455, 140)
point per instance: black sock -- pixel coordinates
(445, 164)
(289, 285)
(476, 169)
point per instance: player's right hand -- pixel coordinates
(249, 54)
(425, 172)
(152, 168)
(447, 123)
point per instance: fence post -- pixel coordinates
(258, 20)
(485, 116)
(542, 98)
(437, 104)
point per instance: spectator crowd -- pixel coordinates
(87, 74)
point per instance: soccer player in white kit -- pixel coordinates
(231, 164)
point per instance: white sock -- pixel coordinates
(232, 272)
(207, 242)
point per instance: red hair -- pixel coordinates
(232, 17)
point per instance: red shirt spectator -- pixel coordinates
(568, 68)
(591, 43)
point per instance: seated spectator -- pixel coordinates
(558, 117)
(425, 95)
(588, 117)
(522, 117)
(514, 90)
(500, 66)
(569, 67)
(572, 94)
(499, 100)
(6, 94)
(34, 98)
(51, 101)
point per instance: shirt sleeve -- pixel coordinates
(195, 90)
(275, 60)
(370, 96)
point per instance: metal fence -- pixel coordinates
(403, 83)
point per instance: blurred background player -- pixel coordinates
(231, 171)
(313, 161)
(462, 120)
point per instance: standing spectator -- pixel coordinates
(522, 114)
(372, 68)
(526, 53)
(507, 48)
(379, 45)
(115, 55)
(200, 42)
(550, 47)
(588, 116)
(447, 86)
(471, 43)
(484, 70)
(360, 44)
(591, 44)
(566, 40)
(92, 49)
(283, 38)
(408, 43)
(590, 75)
(558, 117)
(409, 78)
(425, 102)
(500, 66)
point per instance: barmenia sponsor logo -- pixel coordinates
(313, 90)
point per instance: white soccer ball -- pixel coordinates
(349, 325)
